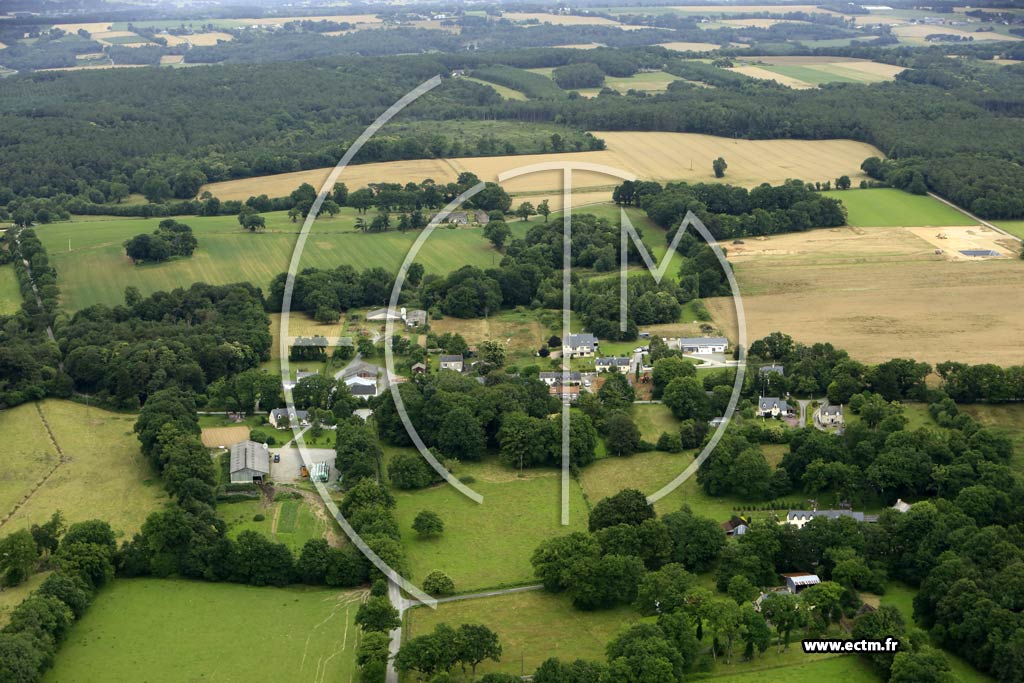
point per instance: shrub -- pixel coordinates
(258, 517)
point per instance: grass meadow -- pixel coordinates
(103, 476)
(1013, 227)
(226, 253)
(10, 292)
(173, 630)
(891, 208)
(487, 545)
(292, 522)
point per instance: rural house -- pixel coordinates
(736, 526)
(829, 415)
(280, 418)
(566, 393)
(579, 345)
(249, 462)
(772, 369)
(772, 407)
(798, 518)
(418, 369)
(552, 378)
(702, 345)
(363, 391)
(416, 318)
(901, 506)
(452, 362)
(612, 363)
(798, 581)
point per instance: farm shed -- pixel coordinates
(249, 462)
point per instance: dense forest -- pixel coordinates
(114, 137)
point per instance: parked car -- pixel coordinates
(277, 457)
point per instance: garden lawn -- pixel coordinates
(10, 292)
(104, 476)
(159, 630)
(487, 545)
(653, 419)
(290, 521)
(531, 627)
(227, 254)
(888, 208)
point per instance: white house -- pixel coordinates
(772, 407)
(280, 418)
(552, 378)
(703, 345)
(612, 363)
(249, 462)
(798, 518)
(901, 506)
(453, 362)
(580, 345)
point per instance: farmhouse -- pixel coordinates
(829, 415)
(249, 462)
(772, 369)
(384, 314)
(363, 391)
(798, 581)
(452, 362)
(612, 363)
(280, 418)
(735, 527)
(552, 378)
(772, 407)
(579, 345)
(701, 345)
(415, 318)
(476, 217)
(566, 393)
(798, 518)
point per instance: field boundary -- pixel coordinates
(61, 459)
(970, 215)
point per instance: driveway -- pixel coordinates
(291, 462)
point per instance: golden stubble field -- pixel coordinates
(649, 155)
(879, 293)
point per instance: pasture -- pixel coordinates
(521, 330)
(11, 596)
(1013, 227)
(10, 291)
(507, 93)
(226, 253)
(102, 475)
(487, 545)
(813, 71)
(531, 627)
(647, 155)
(886, 207)
(219, 631)
(879, 293)
(645, 81)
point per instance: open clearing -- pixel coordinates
(888, 207)
(565, 20)
(879, 293)
(645, 81)
(531, 627)
(506, 92)
(487, 545)
(690, 47)
(649, 155)
(813, 71)
(220, 631)
(226, 253)
(520, 331)
(766, 75)
(202, 39)
(292, 521)
(1008, 419)
(10, 292)
(914, 34)
(103, 476)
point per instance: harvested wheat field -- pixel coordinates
(690, 47)
(222, 437)
(172, 59)
(915, 34)
(647, 155)
(564, 19)
(758, 23)
(745, 9)
(766, 75)
(201, 39)
(879, 293)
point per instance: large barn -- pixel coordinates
(250, 462)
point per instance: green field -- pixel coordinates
(171, 630)
(10, 292)
(228, 254)
(1013, 227)
(487, 545)
(825, 73)
(103, 477)
(531, 627)
(653, 419)
(506, 92)
(11, 596)
(292, 522)
(888, 208)
(1008, 419)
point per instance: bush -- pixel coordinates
(438, 583)
(258, 517)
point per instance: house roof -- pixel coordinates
(358, 380)
(452, 358)
(383, 314)
(831, 410)
(771, 403)
(278, 413)
(250, 455)
(704, 341)
(303, 374)
(611, 360)
(363, 389)
(901, 506)
(416, 317)
(581, 339)
(419, 366)
(767, 369)
(802, 579)
(573, 376)
(795, 515)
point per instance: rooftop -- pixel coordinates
(250, 455)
